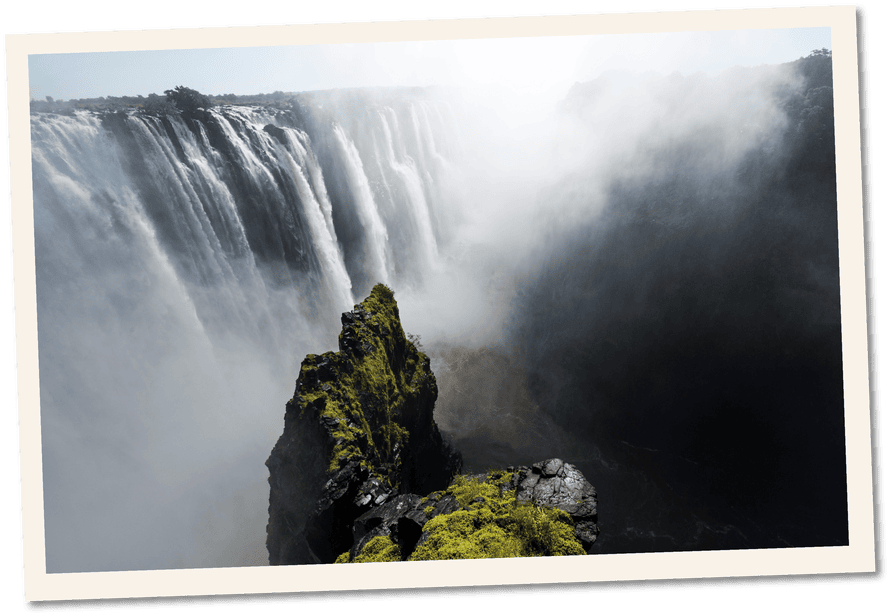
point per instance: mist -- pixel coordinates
(667, 246)
(636, 272)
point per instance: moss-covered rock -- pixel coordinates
(380, 549)
(493, 523)
(547, 509)
(556, 485)
(358, 430)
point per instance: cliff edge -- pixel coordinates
(360, 446)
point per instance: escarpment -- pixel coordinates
(360, 449)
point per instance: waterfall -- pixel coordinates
(407, 170)
(185, 266)
(310, 186)
(366, 207)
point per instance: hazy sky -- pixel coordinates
(541, 65)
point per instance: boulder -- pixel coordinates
(554, 483)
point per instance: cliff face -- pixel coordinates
(360, 446)
(358, 431)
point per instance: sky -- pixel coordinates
(542, 66)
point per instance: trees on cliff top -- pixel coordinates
(187, 100)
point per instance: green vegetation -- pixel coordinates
(365, 396)
(187, 100)
(494, 525)
(157, 104)
(374, 371)
(380, 549)
(465, 534)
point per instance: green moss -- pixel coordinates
(544, 531)
(491, 525)
(494, 525)
(387, 370)
(380, 549)
(383, 340)
(467, 534)
(467, 490)
(343, 558)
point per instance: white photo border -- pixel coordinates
(858, 556)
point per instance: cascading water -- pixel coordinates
(185, 266)
(407, 170)
(318, 216)
(366, 207)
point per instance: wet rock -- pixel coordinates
(389, 519)
(276, 132)
(554, 483)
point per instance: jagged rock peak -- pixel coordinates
(358, 431)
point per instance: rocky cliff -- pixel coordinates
(360, 446)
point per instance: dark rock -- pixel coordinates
(388, 519)
(372, 493)
(554, 483)
(443, 506)
(327, 372)
(276, 132)
(335, 508)
(402, 519)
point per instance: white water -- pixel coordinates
(376, 234)
(319, 218)
(407, 170)
(180, 284)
